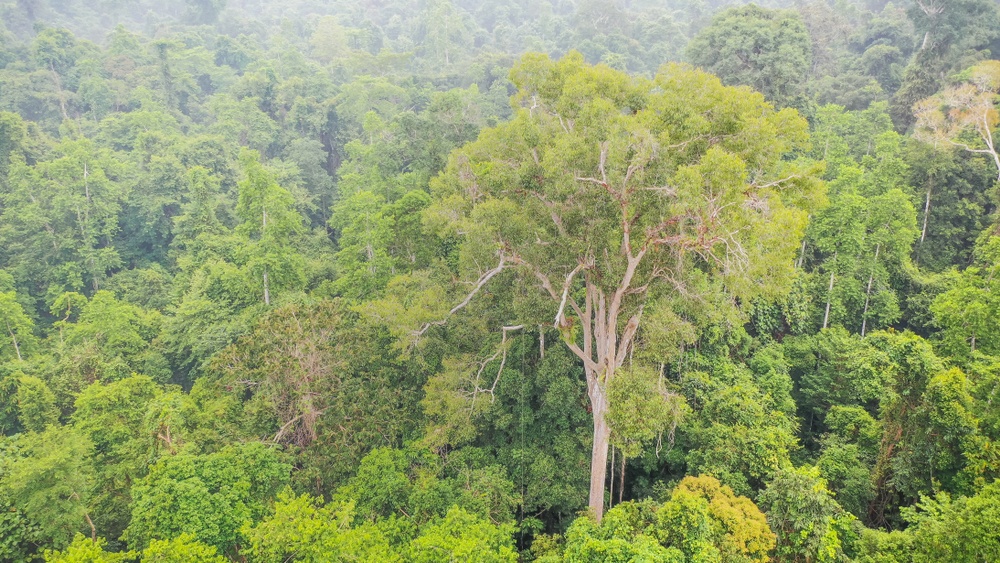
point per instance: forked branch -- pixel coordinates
(502, 352)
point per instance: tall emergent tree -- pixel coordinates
(269, 223)
(964, 115)
(609, 195)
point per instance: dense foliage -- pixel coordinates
(446, 280)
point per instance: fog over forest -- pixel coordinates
(592, 281)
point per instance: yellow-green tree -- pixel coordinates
(964, 115)
(608, 195)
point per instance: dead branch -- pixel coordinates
(287, 425)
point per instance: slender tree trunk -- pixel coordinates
(86, 184)
(541, 342)
(599, 454)
(13, 337)
(829, 296)
(621, 481)
(927, 211)
(86, 516)
(987, 135)
(611, 481)
(868, 293)
(93, 529)
(267, 289)
(59, 91)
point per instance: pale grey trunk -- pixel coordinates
(829, 296)
(541, 341)
(927, 211)
(599, 453)
(267, 289)
(868, 293)
(13, 337)
(59, 90)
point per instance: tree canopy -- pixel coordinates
(499, 281)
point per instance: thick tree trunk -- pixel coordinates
(599, 453)
(603, 347)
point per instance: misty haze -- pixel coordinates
(420, 281)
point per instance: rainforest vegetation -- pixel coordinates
(499, 281)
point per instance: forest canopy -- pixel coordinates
(592, 281)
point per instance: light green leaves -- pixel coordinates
(304, 530)
(51, 479)
(15, 328)
(36, 407)
(642, 410)
(210, 496)
(809, 523)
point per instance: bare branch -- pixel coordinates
(546, 284)
(501, 351)
(563, 123)
(776, 182)
(287, 425)
(483, 279)
(592, 180)
(565, 293)
(683, 144)
(617, 196)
